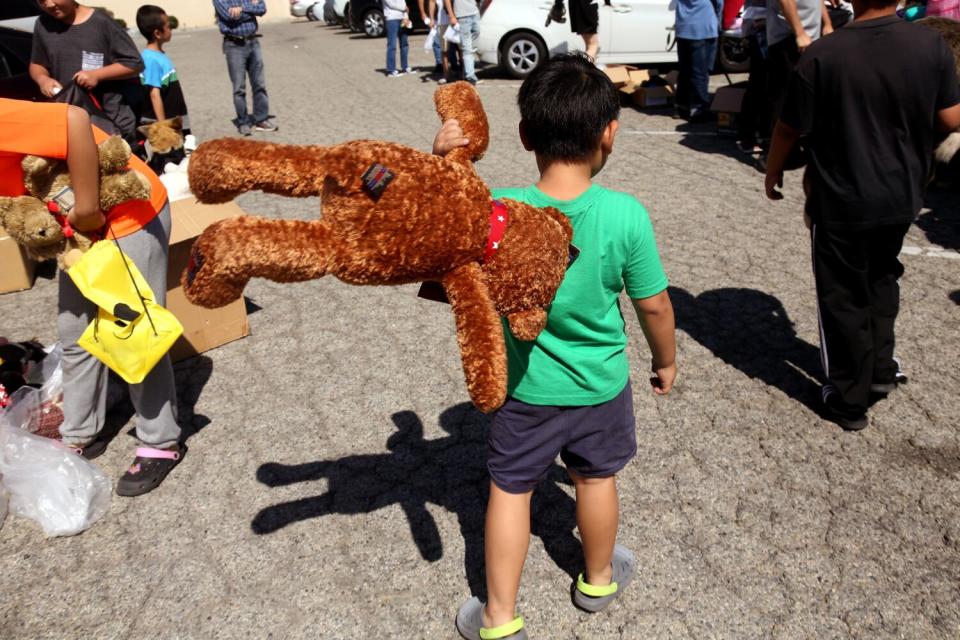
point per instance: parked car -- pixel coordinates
(17, 18)
(367, 16)
(513, 35)
(310, 9)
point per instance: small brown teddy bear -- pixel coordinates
(390, 215)
(165, 142)
(34, 221)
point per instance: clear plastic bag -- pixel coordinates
(429, 41)
(37, 408)
(48, 482)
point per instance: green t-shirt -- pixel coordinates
(580, 357)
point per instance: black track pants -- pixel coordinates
(858, 297)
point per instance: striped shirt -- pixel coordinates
(246, 23)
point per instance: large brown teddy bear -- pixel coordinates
(390, 215)
(32, 220)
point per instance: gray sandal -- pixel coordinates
(470, 624)
(591, 598)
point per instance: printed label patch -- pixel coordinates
(376, 179)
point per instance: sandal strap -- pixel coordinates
(503, 631)
(594, 591)
(149, 452)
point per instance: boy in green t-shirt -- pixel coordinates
(569, 390)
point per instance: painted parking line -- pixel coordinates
(930, 252)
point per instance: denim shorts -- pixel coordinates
(595, 441)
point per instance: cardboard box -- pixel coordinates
(659, 96)
(17, 271)
(619, 74)
(203, 329)
(727, 104)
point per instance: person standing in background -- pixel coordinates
(238, 24)
(465, 15)
(396, 21)
(697, 30)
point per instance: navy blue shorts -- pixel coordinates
(596, 441)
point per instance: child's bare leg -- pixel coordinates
(507, 538)
(598, 514)
(591, 42)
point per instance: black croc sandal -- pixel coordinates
(148, 470)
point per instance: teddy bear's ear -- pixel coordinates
(37, 173)
(114, 154)
(176, 123)
(144, 130)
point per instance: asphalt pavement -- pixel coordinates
(335, 481)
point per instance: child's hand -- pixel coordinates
(86, 79)
(49, 87)
(663, 378)
(449, 138)
(771, 183)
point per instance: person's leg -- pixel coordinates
(840, 269)
(258, 82)
(437, 50)
(154, 399)
(84, 377)
(469, 31)
(781, 62)
(236, 67)
(704, 53)
(404, 49)
(393, 29)
(685, 76)
(598, 516)
(507, 537)
(885, 270)
(748, 124)
(591, 44)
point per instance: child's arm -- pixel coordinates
(827, 27)
(785, 138)
(948, 120)
(40, 75)
(790, 12)
(83, 164)
(659, 327)
(157, 103)
(116, 71)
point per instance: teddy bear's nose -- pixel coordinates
(43, 233)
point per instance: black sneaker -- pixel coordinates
(149, 468)
(839, 412)
(91, 450)
(266, 125)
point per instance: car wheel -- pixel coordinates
(733, 55)
(309, 13)
(521, 53)
(373, 23)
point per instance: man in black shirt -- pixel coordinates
(868, 100)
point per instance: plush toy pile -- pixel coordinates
(390, 215)
(35, 221)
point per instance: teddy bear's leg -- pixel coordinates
(480, 336)
(230, 252)
(461, 101)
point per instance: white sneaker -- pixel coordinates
(394, 74)
(409, 70)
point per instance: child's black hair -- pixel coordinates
(565, 105)
(150, 20)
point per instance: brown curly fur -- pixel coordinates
(431, 223)
(30, 223)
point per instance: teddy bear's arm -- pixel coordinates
(480, 335)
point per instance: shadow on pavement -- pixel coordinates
(701, 139)
(941, 223)
(449, 472)
(751, 331)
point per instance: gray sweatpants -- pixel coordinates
(85, 377)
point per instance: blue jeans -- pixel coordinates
(245, 59)
(469, 33)
(394, 30)
(693, 86)
(437, 52)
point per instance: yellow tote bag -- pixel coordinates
(131, 332)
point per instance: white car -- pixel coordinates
(513, 35)
(310, 9)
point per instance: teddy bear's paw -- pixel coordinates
(122, 187)
(37, 174)
(114, 154)
(527, 324)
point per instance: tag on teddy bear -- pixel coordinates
(376, 179)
